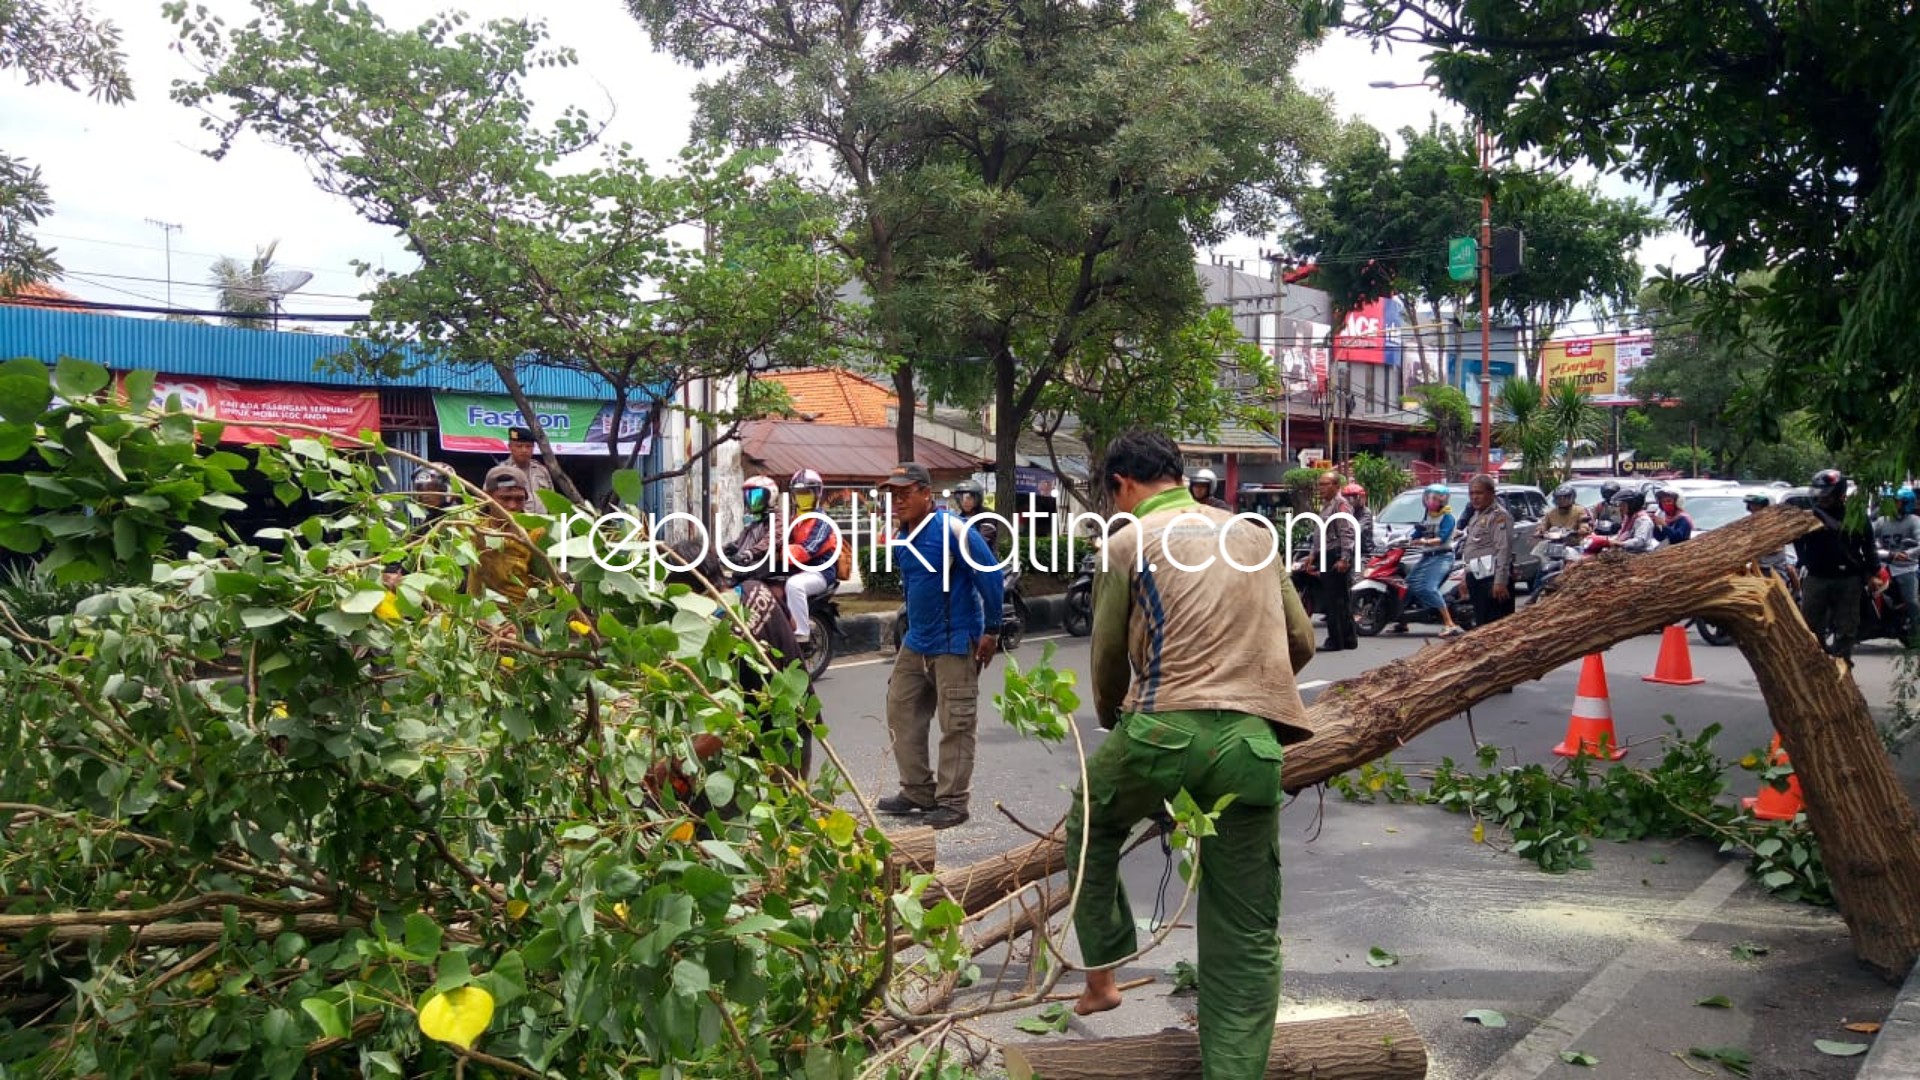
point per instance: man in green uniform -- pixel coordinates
(1193, 670)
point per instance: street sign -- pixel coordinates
(1308, 458)
(1463, 258)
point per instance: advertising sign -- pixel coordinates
(1630, 353)
(1363, 340)
(478, 423)
(1584, 362)
(250, 412)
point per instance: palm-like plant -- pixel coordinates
(245, 287)
(1523, 429)
(1572, 418)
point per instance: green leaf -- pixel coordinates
(1747, 950)
(724, 852)
(1486, 1018)
(1575, 1057)
(255, 618)
(223, 502)
(139, 385)
(691, 978)
(719, 789)
(1051, 1021)
(326, 1014)
(25, 391)
(363, 602)
(1717, 1001)
(1380, 958)
(76, 379)
(627, 485)
(423, 935)
(1736, 1060)
(1777, 879)
(15, 440)
(108, 456)
(1840, 1049)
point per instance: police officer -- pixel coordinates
(1836, 560)
(520, 455)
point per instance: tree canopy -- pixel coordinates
(529, 255)
(1786, 135)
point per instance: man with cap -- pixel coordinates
(506, 562)
(520, 454)
(953, 591)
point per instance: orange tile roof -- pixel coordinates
(25, 295)
(834, 396)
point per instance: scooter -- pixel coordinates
(824, 612)
(1078, 616)
(1014, 616)
(1557, 550)
(1381, 599)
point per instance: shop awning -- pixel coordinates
(844, 455)
(478, 423)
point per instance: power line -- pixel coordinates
(92, 305)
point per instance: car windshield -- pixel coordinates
(1408, 507)
(1713, 511)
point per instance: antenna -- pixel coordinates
(170, 229)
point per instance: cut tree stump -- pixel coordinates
(1866, 826)
(1373, 1046)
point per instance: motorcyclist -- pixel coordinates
(970, 499)
(1203, 486)
(1780, 563)
(1671, 525)
(747, 553)
(1432, 537)
(1899, 533)
(812, 547)
(1605, 512)
(1566, 514)
(1636, 525)
(1356, 497)
(1837, 560)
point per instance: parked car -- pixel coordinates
(1527, 504)
(1713, 508)
(1587, 488)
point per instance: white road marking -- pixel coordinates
(1315, 684)
(1539, 1052)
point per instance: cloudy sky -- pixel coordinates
(114, 171)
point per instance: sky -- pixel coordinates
(114, 171)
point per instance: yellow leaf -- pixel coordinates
(387, 609)
(279, 710)
(202, 982)
(458, 1016)
(506, 661)
(1479, 832)
(580, 628)
(681, 833)
(1376, 782)
(839, 827)
(620, 911)
(517, 909)
(1751, 761)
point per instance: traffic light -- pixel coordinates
(1509, 251)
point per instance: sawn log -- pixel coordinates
(1373, 1046)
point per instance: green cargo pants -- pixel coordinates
(1143, 764)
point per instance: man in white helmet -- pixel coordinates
(1202, 486)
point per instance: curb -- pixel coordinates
(861, 634)
(1896, 1049)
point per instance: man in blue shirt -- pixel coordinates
(953, 592)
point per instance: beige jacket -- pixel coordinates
(1167, 639)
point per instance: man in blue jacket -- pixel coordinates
(953, 591)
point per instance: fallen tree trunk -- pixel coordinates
(1864, 822)
(1374, 1046)
(914, 851)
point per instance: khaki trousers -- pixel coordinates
(920, 687)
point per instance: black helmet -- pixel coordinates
(1608, 490)
(1634, 499)
(1564, 495)
(1826, 481)
(973, 488)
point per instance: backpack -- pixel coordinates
(843, 563)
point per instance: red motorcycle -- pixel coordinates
(1381, 599)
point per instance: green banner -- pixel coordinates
(478, 423)
(1463, 258)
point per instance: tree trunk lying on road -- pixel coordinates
(1866, 826)
(1374, 1046)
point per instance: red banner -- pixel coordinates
(1363, 340)
(250, 413)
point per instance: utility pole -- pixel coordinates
(1486, 307)
(706, 410)
(169, 228)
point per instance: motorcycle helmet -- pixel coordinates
(1757, 500)
(970, 497)
(1437, 495)
(1354, 490)
(1204, 478)
(1632, 500)
(806, 487)
(1827, 481)
(429, 480)
(1662, 492)
(1906, 500)
(1563, 496)
(1609, 490)
(758, 493)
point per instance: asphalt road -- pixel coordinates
(1608, 961)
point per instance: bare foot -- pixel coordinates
(1099, 996)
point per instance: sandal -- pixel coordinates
(1452, 632)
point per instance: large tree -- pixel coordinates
(1042, 169)
(70, 47)
(1786, 135)
(529, 255)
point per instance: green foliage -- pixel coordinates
(1573, 418)
(1624, 86)
(1553, 815)
(1382, 478)
(1522, 426)
(531, 253)
(1450, 417)
(321, 803)
(69, 46)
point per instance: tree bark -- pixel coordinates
(1865, 824)
(913, 853)
(1374, 1046)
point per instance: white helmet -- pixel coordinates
(1204, 476)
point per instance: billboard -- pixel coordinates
(478, 423)
(1602, 366)
(250, 413)
(1371, 334)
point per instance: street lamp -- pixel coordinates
(1484, 144)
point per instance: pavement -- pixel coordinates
(1609, 962)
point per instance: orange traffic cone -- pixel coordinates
(1675, 665)
(1772, 804)
(1590, 728)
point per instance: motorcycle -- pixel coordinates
(1381, 599)
(1014, 616)
(1557, 550)
(1078, 614)
(824, 612)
